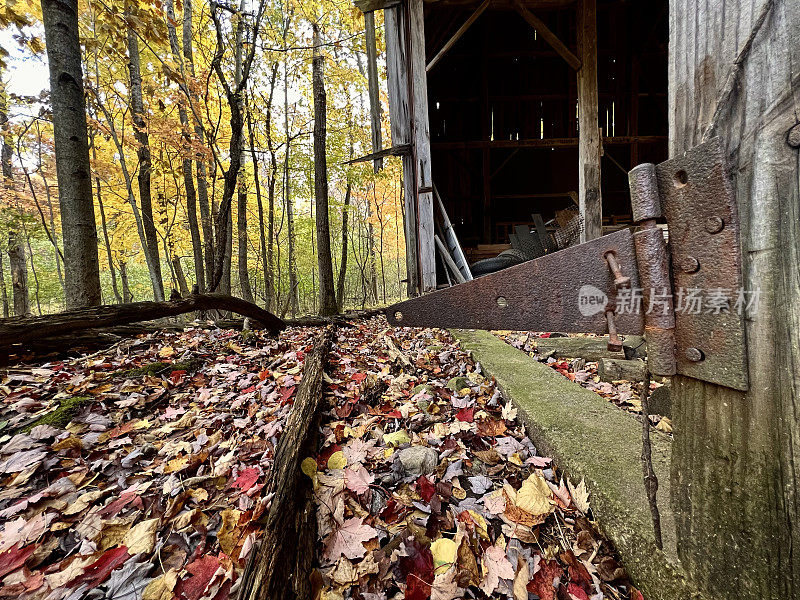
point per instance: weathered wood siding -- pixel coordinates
(735, 465)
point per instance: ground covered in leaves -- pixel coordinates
(623, 394)
(139, 472)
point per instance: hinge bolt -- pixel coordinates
(689, 264)
(714, 224)
(614, 343)
(694, 354)
(620, 280)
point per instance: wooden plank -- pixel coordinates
(421, 145)
(528, 243)
(372, 5)
(548, 36)
(452, 239)
(544, 236)
(374, 88)
(448, 260)
(729, 515)
(457, 35)
(400, 119)
(590, 199)
(400, 150)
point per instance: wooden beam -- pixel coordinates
(400, 118)
(457, 35)
(590, 199)
(421, 145)
(400, 150)
(549, 37)
(367, 6)
(374, 90)
(569, 142)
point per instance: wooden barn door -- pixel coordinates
(408, 109)
(734, 72)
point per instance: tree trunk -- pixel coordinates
(241, 229)
(73, 170)
(327, 293)
(183, 286)
(285, 556)
(19, 274)
(293, 301)
(106, 239)
(52, 235)
(343, 263)
(200, 165)
(266, 248)
(188, 180)
(143, 154)
(20, 330)
(735, 467)
(127, 295)
(3, 291)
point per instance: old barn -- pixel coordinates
(509, 111)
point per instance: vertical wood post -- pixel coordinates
(374, 91)
(421, 145)
(400, 117)
(590, 200)
(735, 465)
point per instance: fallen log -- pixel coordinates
(18, 330)
(612, 369)
(282, 567)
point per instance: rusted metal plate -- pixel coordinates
(563, 291)
(700, 209)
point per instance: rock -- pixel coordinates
(418, 460)
(457, 383)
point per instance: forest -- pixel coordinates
(218, 145)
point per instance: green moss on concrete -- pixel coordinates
(591, 439)
(61, 416)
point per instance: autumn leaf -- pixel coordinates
(348, 540)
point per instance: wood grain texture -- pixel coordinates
(422, 146)
(590, 199)
(735, 473)
(283, 565)
(394, 20)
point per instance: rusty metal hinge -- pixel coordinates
(685, 296)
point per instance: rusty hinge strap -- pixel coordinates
(652, 258)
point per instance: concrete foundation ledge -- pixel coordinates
(591, 439)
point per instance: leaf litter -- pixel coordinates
(623, 394)
(139, 473)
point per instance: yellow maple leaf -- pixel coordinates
(444, 554)
(535, 496)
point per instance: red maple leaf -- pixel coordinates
(286, 394)
(97, 572)
(13, 558)
(202, 572)
(425, 488)
(577, 592)
(467, 415)
(246, 479)
(542, 582)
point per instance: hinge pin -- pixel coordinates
(620, 280)
(614, 343)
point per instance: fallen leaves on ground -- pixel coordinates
(139, 473)
(435, 490)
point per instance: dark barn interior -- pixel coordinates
(503, 111)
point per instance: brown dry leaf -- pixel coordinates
(161, 587)
(535, 496)
(466, 565)
(70, 443)
(142, 537)
(230, 535)
(664, 425)
(580, 495)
